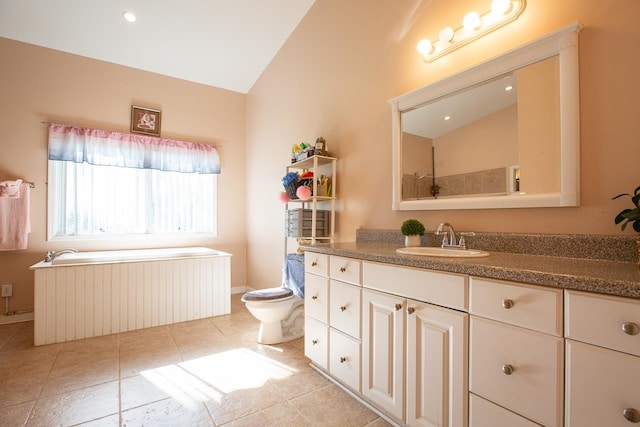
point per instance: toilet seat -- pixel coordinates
(268, 295)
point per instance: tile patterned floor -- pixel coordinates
(208, 372)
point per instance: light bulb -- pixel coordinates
(424, 46)
(129, 16)
(500, 7)
(446, 34)
(471, 21)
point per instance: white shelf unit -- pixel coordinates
(318, 165)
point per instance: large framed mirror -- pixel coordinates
(503, 134)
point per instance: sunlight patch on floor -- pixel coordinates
(211, 377)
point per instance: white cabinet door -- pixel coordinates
(316, 297)
(344, 359)
(344, 307)
(436, 366)
(316, 341)
(519, 369)
(383, 351)
(603, 387)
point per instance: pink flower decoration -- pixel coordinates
(284, 197)
(303, 192)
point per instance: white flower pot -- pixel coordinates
(412, 240)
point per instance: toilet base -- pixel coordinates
(285, 330)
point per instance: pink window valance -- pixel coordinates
(100, 147)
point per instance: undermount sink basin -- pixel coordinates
(442, 252)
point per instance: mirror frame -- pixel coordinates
(563, 43)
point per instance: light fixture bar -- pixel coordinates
(475, 26)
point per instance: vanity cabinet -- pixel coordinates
(414, 359)
(333, 296)
(516, 352)
(603, 360)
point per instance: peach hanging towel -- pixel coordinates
(14, 215)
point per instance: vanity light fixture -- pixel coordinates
(129, 16)
(474, 26)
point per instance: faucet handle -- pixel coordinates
(462, 242)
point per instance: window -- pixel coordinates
(90, 200)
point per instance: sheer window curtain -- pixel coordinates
(116, 183)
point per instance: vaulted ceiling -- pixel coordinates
(221, 43)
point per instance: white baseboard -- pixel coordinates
(240, 289)
(14, 318)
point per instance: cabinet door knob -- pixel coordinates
(410, 310)
(398, 307)
(507, 369)
(507, 303)
(631, 414)
(314, 264)
(343, 269)
(630, 328)
(343, 307)
(314, 342)
(343, 359)
(315, 297)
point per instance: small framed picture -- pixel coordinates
(145, 120)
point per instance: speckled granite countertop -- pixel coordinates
(619, 278)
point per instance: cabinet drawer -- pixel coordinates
(344, 359)
(316, 264)
(446, 289)
(483, 413)
(345, 269)
(599, 320)
(316, 341)
(601, 384)
(316, 297)
(529, 306)
(344, 307)
(534, 387)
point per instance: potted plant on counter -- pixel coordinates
(632, 216)
(412, 229)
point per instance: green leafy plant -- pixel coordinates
(412, 227)
(630, 215)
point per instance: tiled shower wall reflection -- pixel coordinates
(490, 181)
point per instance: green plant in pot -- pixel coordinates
(412, 229)
(631, 216)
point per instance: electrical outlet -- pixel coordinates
(7, 290)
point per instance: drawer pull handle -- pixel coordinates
(343, 308)
(507, 303)
(398, 307)
(343, 269)
(410, 310)
(343, 359)
(631, 414)
(315, 297)
(314, 264)
(630, 328)
(507, 369)
(314, 342)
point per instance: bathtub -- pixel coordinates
(88, 294)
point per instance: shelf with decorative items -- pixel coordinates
(310, 198)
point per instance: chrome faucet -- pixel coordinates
(51, 255)
(449, 239)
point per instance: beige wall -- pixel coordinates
(336, 72)
(488, 143)
(38, 84)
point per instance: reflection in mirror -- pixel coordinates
(502, 134)
(472, 142)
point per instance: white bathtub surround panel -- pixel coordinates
(82, 301)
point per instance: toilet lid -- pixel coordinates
(267, 294)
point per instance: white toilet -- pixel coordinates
(280, 312)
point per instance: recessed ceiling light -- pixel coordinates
(508, 88)
(129, 16)
(447, 117)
